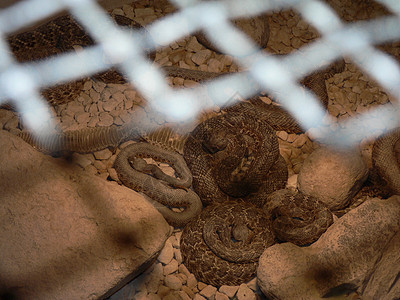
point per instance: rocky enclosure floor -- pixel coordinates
(351, 93)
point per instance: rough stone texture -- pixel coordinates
(384, 283)
(65, 234)
(244, 293)
(332, 176)
(229, 290)
(342, 258)
(167, 253)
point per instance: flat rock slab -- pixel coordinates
(65, 234)
(384, 283)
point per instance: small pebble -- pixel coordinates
(209, 291)
(199, 297)
(182, 269)
(191, 281)
(188, 291)
(110, 105)
(178, 255)
(171, 267)
(201, 285)
(113, 174)
(167, 253)
(283, 135)
(94, 95)
(183, 295)
(201, 56)
(82, 117)
(81, 160)
(292, 181)
(163, 291)
(244, 293)
(221, 296)
(105, 119)
(172, 282)
(182, 277)
(99, 165)
(229, 290)
(252, 284)
(103, 154)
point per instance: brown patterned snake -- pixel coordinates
(297, 218)
(235, 235)
(235, 155)
(168, 191)
(386, 162)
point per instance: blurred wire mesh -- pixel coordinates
(279, 76)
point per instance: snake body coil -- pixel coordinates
(170, 192)
(223, 244)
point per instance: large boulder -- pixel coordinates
(343, 258)
(333, 176)
(384, 283)
(65, 234)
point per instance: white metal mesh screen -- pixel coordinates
(278, 76)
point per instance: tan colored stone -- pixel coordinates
(282, 135)
(244, 293)
(201, 285)
(166, 254)
(221, 296)
(66, 234)
(193, 45)
(201, 57)
(300, 140)
(229, 290)
(103, 154)
(209, 291)
(188, 291)
(163, 291)
(199, 297)
(332, 176)
(383, 283)
(172, 282)
(171, 267)
(105, 119)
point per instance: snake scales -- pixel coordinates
(168, 191)
(237, 231)
(386, 162)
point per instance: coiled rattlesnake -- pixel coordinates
(236, 231)
(234, 155)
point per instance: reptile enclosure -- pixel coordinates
(70, 229)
